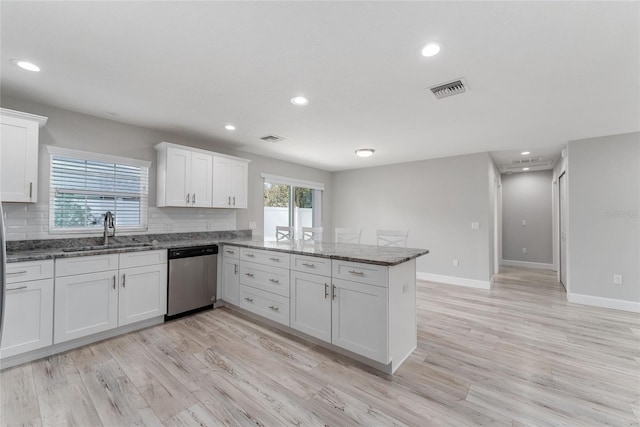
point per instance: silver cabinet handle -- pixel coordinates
(333, 292)
(188, 194)
(16, 272)
(31, 190)
(248, 274)
(274, 308)
(124, 280)
(248, 299)
(114, 281)
(235, 268)
(249, 255)
(306, 264)
(17, 288)
(326, 291)
(274, 280)
(193, 198)
(229, 201)
(357, 273)
(234, 200)
(230, 252)
(275, 259)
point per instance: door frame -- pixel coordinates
(562, 179)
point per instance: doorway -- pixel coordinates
(562, 228)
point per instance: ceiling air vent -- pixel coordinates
(449, 89)
(272, 138)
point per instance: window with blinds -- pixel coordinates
(86, 185)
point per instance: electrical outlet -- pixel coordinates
(475, 225)
(617, 279)
(524, 222)
(252, 225)
(168, 226)
(456, 263)
(524, 250)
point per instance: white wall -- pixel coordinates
(604, 220)
(527, 196)
(83, 132)
(435, 199)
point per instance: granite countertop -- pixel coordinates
(34, 250)
(368, 254)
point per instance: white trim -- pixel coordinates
(85, 155)
(294, 182)
(163, 145)
(42, 121)
(453, 280)
(527, 264)
(616, 304)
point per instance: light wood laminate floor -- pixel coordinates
(516, 355)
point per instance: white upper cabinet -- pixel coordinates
(19, 155)
(230, 182)
(197, 178)
(184, 177)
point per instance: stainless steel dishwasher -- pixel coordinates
(193, 279)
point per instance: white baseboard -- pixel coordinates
(527, 264)
(616, 304)
(453, 280)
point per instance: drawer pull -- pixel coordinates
(230, 252)
(124, 280)
(249, 255)
(275, 259)
(274, 308)
(306, 264)
(114, 281)
(16, 289)
(326, 291)
(248, 299)
(248, 274)
(357, 273)
(16, 272)
(274, 280)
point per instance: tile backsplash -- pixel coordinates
(31, 221)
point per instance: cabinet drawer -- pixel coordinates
(265, 277)
(311, 264)
(271, 306)
(140, 259)
(358, 272)
(86, 264)
(29, 270)
(278, 259)
(232, 252)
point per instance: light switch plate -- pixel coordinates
(524, 222)
(456, 263)
(617, 279)
(252, 225)
(475, 225)
(524, 250)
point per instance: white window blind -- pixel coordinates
(86, 185)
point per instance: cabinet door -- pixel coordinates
(142, 294)
(85, 304)
(19, 168)
(311, 304)
(178, 177)
(201, 179)
(238, 184)
(230, 280)
(221, 170)
(28, 317)
(359, 319)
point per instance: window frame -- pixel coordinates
(105, 158)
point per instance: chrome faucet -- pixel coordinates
(108, 223)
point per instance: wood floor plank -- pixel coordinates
(19, 398)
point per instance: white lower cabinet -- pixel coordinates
(266, 304)
(311, 304)
(142, 294)
(85, 304)
(359, 319)
(28, 317)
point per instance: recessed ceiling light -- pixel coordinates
(525, 169)
(25, 65)
(230, 127)
(524, 153)
(299, 100)
(431, 49)
(365, 152)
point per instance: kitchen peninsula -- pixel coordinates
(358, 300)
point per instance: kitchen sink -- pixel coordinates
(107, 247)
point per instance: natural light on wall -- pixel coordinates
(83, 186)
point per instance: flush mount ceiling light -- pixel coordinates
(524, 153)
(25, 65)
(230, 127)
(365, 152)
(525, 169)
(299, 100)
(431, 49)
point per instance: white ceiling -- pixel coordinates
(540, 73)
